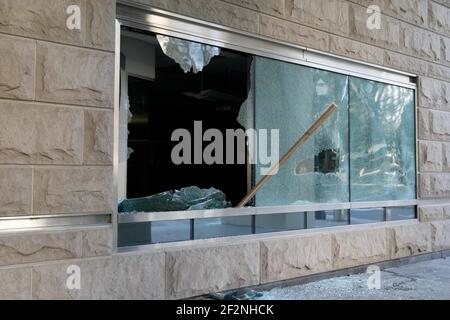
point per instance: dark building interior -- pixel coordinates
(174, 100)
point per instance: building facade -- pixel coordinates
(59, 163)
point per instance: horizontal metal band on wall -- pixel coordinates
(47, 222)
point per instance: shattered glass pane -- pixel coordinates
(381, 141)
(189, 55)
(290, 98)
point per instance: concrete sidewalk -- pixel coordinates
(419, 281)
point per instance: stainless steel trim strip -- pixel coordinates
(116, 132)
(52, 221)
(162, 22)
(247, 211)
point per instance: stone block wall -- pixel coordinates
(56, 124)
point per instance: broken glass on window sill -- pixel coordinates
(190, 198)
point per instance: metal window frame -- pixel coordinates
(147, 18)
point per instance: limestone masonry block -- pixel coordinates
(430, 156)
(329, 15)
(434, 185)
(414, 11)
(17, 67)
(15, 284)
(438, 71)
(292, 32)
(73, 190)
(440, 235)
(434, 94)
(27, 248)
(41, 19)
(134, 277)
(199, 271)
(74, 76)
(98, 136)
(100, 24)
(356, 50)
(420, 43)
(15, 191)
(431, 213)
(97, 242)
(358, 247)
(439, 18)
(410, 240)
(214, 11)
(388, 36)
(293, 257)
(272, 7)
(405, 63)
(40, 134)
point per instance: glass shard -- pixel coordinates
(189, 55)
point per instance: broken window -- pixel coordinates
(172, 87)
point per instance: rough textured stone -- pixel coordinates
(434, 185)
(359, 247)
(434, 125)
(288, 31)
(98, 137)
(17, 66)
(15, 284)
(198, 271)
(272, 7)
(41, 19)
(424, 123)
(446, 160)
(100, 24)
(134, 277)
(291, 257)
(445, 43)
(434, 94)
(73, 190)
(356, 50)
(97, 242)
(419, 42)
(74, 76)
(27, 248)
(40, 134)
(438, 71)
(410, 240)
(440, 235)
(214, 11)
(15, 191)
(439, 18)
(446, 212)
(444, 2)
(388, 36)
(431, 213)
(430, 156)
(440, 124)
(415, 11)
(330, 15)
(405, 63)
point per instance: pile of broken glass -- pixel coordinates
(191, 198)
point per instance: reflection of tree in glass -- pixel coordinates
(381, 138)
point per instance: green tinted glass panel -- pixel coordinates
(290, 98)
(382, 158)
